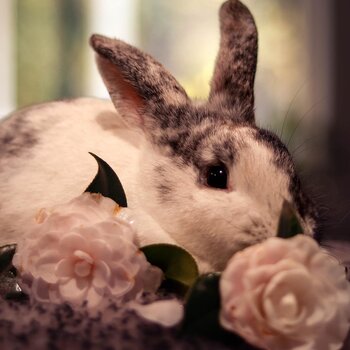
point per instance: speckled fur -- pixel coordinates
(161, 144)
(17, 137)
(233, 80)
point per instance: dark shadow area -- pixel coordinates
(337, 185)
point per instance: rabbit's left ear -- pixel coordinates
(232, 84)
(140, 87)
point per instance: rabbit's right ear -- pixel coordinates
(136, 82)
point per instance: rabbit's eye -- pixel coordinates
(217, 176)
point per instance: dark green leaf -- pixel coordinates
(17, 294)
(179, 268)
(202, 311)
(203, 305)
(6, 254)
(107, 183)
(289, 224)
(9, 287)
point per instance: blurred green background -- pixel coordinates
(54, 60)
(51, 49)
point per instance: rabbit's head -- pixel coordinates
(209, 176)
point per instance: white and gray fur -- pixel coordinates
(161, 144)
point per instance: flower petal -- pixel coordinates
(152, 278)
(71, 242)
(63, 222)
(74, 289)
(45, 267)
(297, 282)
(102, 274)
(65, 268)
(121, 282)
(94, 297)
(54, 294)
(40, 290)
(167, 313)
(81, 255)
(100, 249)
(82, 268)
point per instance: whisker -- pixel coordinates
(290, 106)
(294, 152)
(332, 220)
(345, 216)
(302, 118)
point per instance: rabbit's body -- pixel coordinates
(201, 175)
(46, 161)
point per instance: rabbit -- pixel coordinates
(198, 174)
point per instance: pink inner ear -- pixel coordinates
(123, 94)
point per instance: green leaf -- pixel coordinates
(203, 305)
(289, 224)
(9, 287)
(107, 183)
(6, 254)
(202, 311)
(179, 267)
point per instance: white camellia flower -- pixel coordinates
(83, 251)
(286, 294)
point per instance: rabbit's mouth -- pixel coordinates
(214, 241)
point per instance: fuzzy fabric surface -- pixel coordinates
(44, 326)
(24, 325)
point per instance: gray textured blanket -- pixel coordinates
(43, 326)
